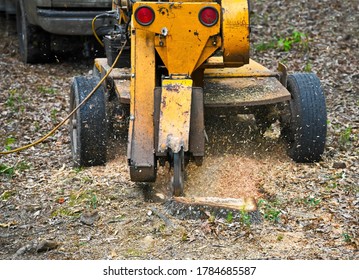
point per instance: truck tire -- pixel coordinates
(34, 43)
(88, 126)
(306, 129)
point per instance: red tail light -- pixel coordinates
(208, 16)
(144, 15)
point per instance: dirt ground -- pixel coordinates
(50, 210)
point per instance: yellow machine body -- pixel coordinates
(179, 64)
(185, 59)
(184, 44)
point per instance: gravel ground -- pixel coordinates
(50, 210)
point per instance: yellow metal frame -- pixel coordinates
(141, 130)
(235, 30)
(182, 41)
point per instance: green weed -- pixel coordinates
(300, 38)
(87, 197)
(79, 169)
(265, 46)
(184, 236)
(211, 218)
(286, 44)
(133, 253)
(46, 90)
(345, 136)
(86, 180)
(75, 201)
(347, 238)
(338, 175)
(6, 195)
(8, 142)
(296, 38)
(245, 219)
(162, 228)
(14, 101)
(11, 100)
(272, 214)
(37, 126)
(9, 171)
(93, 201)
(308, 67)
(333, 180)
(54, 115)
(22, 166)
(269, 210)
(311, 201)
(332, 185)
(65, 212)
(229, 217)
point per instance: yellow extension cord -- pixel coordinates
(71, 113)
(95, 33)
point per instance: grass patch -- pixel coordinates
(312, 201)
(72, 204)
(10, 171)
(133, 252)
(245, 218)
(296, 39)
(46, 90)
(79, 169)
(280, 237)
(8, 142)
(7, 170)
(270, 210)
(53, 115)
(22, 166)
(307, 67)
(346, 136)
(265, 46)
(65, 212)
(347, 237)
(15, 101)
(88, 198)
(272, 214)
(6, 195)
(229, 217)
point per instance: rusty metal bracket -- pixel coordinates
(175, 115)
(283, 76)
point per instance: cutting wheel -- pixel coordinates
(178, 173)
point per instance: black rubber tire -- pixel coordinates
(88, 126)
(34, 42)
(307, 128)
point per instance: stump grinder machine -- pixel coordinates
(178, 61)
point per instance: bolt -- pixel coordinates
(164, 31)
